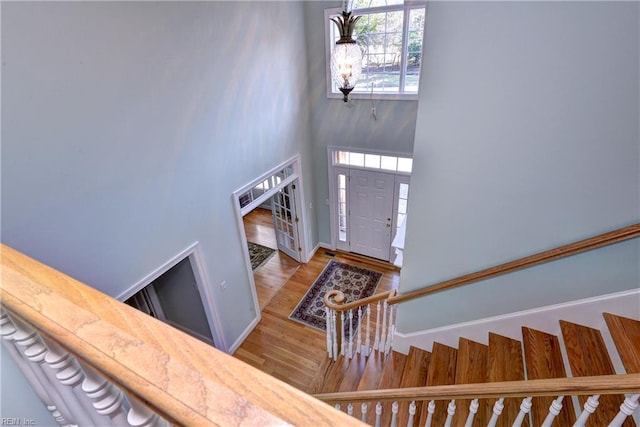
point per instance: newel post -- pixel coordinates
(333, 299)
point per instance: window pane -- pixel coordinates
(342, 195)
(342, 181)
(404, 191)
(342, 157)
(379, 35)
(400, 218)
(372, 161)
(402, 206)
(388, 163)
(414, 49)
(404, 164)
(356, 159)
(359, 4)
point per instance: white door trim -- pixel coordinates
(295, 175)
(334, 170)
(194, 253)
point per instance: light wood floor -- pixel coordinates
(291, 351)
(270, 277)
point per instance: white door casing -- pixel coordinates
(285, 221)
(371, 200)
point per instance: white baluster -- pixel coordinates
(394, 414)
(350, 409)
(350, 354)
(431, 408)
(327, 315)
(627, 408)
(451, 410)
(412, 413)
(367, 340)
(525, 407)
(107, 399)
(473, 410)
(383, 332)
(8, 330)
(67, 371)
(376, 341)
(590, 407)
(392, 329)
(554, 411)
(378, 414)
(140, 415)
(337, 406)
(359, 335)
(32, 349)
(335, 335)
(363, 412)
(497, 411)
(343, 347)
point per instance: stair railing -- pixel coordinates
(93, 360)
(342, 328)
(527, 390)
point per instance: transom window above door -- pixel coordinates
(366, 160)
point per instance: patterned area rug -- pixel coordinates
(259, 254)
(354, 282)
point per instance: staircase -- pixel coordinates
(579, 351)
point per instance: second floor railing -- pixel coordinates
(93, 360)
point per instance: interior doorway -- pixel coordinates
(270, 275)
(282, 189)
(177, 295)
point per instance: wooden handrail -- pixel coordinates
(181, 378)
(338, 297)
(595, 242)
(604, 384)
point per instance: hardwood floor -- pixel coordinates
(270, 277)
(291, 351)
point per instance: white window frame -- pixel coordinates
(332, 91)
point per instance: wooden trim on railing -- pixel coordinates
(338, 296)
(183, 379)
(604, 384)
(595, 242)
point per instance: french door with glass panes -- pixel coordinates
(285, 221)
(370, 208)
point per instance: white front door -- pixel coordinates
(285, 221)
(371, 211)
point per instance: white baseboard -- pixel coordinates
(244, 335)
(586, 312)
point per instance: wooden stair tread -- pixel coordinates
(372, 372)
(414, 375)
(626, 336)
(544, 360)
(390, 378)
(442, 371)
(505, 364)
(588, 355)
(370, 380)
(353, 373)
(333, 374)
(471, 367)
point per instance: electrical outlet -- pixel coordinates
(223, 285)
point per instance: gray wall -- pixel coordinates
(527, 138)
(127, 126)
(334, 123)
